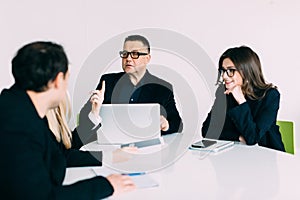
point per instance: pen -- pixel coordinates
(134, 174)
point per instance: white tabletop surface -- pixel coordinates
(240, 172)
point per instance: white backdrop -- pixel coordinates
(269, 27)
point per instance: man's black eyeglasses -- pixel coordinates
(133, 54)
(229, 72)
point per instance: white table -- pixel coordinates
(241, 172)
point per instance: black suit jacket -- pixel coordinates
(255, 120)
(151, 89)
(33, 163)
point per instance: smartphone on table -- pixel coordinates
(203, 143)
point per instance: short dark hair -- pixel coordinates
(37, 63)
(138, 38)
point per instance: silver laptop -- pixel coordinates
(128, 123)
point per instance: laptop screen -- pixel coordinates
(126, 123)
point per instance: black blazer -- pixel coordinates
(255, 120)
(151, 89)
(33, 163)
(77, 158)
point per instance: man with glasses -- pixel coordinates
(137, 85)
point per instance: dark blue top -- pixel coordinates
(255, 120)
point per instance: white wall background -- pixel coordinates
(270, 27)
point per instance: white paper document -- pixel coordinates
(144, 181)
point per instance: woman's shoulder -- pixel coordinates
(273, 91)
(271, 95)
(267, 92)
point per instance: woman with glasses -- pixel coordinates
(246, 106)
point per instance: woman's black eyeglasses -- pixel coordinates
(133, 54)
(229, 72)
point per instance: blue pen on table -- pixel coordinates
(134, 174)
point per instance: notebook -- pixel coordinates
(128, 123)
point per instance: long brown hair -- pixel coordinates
(248, 65)
(57, 120)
